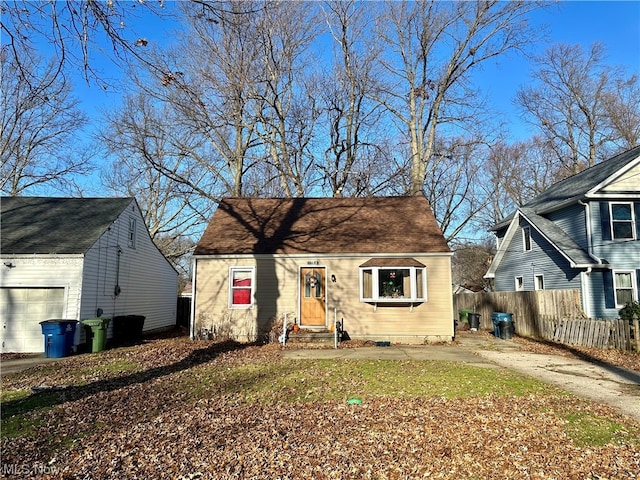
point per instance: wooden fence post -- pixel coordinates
(636, 332)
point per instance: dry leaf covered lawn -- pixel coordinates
(173, 408)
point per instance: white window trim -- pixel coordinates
(375, 286)
(526, 232)
(519, 280)
(253, 287)
(634, 234)
(634, 287)
(535, 281)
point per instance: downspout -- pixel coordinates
(587, 273)
(585, 295)
(587, 217)
(192, 313)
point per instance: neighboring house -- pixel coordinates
(78, 258)
(381, 265)
(582, 233)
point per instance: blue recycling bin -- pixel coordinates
(58, 337)
(496, 318)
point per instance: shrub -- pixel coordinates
(629, 311)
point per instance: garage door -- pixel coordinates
(21, 311)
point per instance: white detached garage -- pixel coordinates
(77, 258)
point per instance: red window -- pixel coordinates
(241, 287)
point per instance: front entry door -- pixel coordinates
(312, 297)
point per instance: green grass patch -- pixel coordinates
(111, 368)
(12, 395)
(21, 415)
(329, 380)
(588, 430)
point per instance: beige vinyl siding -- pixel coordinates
(276, 293)
(627, 182)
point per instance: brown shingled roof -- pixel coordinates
(322, 226)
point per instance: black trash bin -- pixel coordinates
(127, 329)
(474, 321)
(498, 317)
(506, 329)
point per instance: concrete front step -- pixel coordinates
(311, 336)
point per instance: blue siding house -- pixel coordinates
(582, 233)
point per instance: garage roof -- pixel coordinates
(47, 225)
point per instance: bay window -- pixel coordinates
(393, 281)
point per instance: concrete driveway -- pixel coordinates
(607, 384)
(14, 365)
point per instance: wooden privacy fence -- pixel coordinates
(587, 332)
(554, 315)
(526, 307)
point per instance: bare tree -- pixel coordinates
(622, 105)
(201, 107)
(470, 263)
(76, 30)
(573, 101)
(432, 48)
(452, 187)
(350, 115)
(150, 163)
(286, 92)
(39, 119)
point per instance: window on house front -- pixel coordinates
(132, 233)
(622, 221)
(624, 287)
(526, 238)
(241, 285)
(539, 282)
(519, 284)
(313, 285)
(390, 284)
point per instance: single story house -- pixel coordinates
(581, 233)
(380, 265)
(78, 258)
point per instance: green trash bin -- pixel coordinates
(464, 314)
(96, 331)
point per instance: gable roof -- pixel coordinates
(46, 225)
(575, 255)
(580, 185)
(322, 226)
(562, 242)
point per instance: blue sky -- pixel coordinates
(616, 24)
